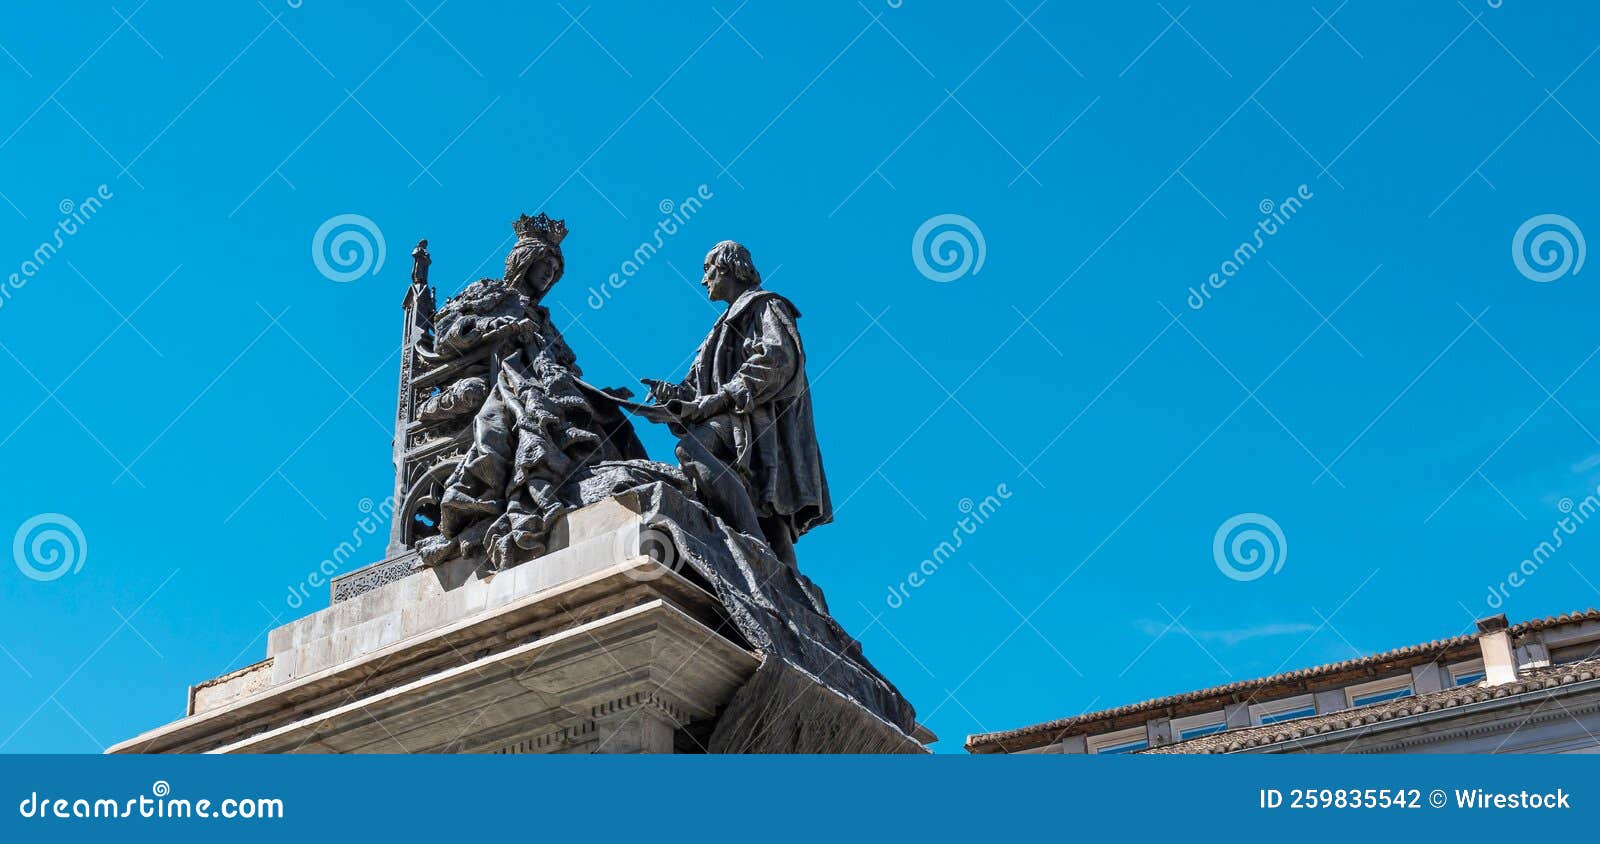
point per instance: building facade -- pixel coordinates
(1532, 687)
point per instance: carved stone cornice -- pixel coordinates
(590, 730)
(643, 699)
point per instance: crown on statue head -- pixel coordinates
(541, 227)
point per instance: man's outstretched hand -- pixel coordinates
(660, 391)
(671, 410)
(654, 412)
(697, 409)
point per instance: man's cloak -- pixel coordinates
(753, 355)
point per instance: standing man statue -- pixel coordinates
(743, 415)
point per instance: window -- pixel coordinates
(1123, 741)
(1379, 691)
(1467, 673)
(1128, 747)
(1289, 714)
(1380, 697)
(1203, 730)
(1274, 711)
(1195, 726)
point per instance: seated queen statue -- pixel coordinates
(536, 434)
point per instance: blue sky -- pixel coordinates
(1380, 378)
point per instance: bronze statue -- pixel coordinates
(743, 415)
(499, 437)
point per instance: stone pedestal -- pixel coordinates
(593, 648)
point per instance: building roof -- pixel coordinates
(1532, 680)
(1298, 681)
